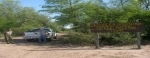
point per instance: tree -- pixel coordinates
(145, 4)
(8, 13)
(65, 8)
(21, 18)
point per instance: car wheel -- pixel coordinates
(49, 39)
(55, 37)
(29, 40)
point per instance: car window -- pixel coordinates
(37, 30)
(47, 30)
(52, 30)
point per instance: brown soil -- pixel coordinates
(54, 49)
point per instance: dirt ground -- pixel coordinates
(23, 49)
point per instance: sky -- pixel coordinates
(36, 4)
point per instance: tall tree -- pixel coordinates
(145, 4)
(65, 8)
(8, 13)
(20, 18)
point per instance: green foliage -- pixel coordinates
(55, 26)
(21, 19)
(81, 14)
(78, 38)
(117, 39)
(1, 34)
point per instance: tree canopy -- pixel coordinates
(20, 18)
(81, 13)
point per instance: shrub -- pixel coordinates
(78, 38)
(1, 34)
(117, 39)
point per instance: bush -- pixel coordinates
(1, 34)
(18, 32)
(78, 38)
(145, 39)
(117, 39)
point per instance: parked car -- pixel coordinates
(35, 34)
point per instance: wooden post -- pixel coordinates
(138, 38)
(96, 39)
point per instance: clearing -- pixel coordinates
(54, 49)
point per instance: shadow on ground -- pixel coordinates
(21, 41)
(61, 49)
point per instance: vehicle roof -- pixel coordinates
(39, 28)
(43, 28)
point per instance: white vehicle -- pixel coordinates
(35, 34)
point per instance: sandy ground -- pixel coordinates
(23, 49)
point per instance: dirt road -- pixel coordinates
(53, 49)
